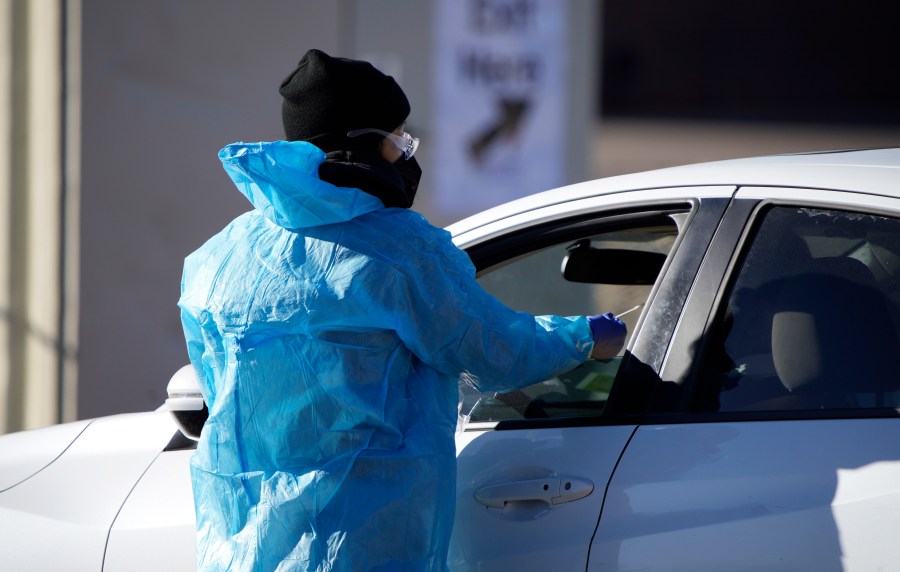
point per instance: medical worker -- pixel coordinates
(328, 327)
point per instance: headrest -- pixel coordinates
(832, 332)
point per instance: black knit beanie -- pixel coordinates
(325, 97)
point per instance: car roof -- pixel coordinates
(870, 171)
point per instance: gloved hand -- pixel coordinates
(609, 335)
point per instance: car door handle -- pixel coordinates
(553, 491)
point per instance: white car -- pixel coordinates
(750, 424)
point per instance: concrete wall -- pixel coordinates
(165, 85)
(111, 117)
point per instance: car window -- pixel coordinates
(811, 320)
(611, 271)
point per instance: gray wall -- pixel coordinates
(165, 85)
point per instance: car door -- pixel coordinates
(155, 528)
(533, 465)
(785, 454)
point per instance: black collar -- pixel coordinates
(369, 172)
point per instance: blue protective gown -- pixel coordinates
(328, 333)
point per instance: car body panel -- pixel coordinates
(535, 534)
(75, 499)
(159, 513)
(773, 495)
(24, 454)
(836, 199)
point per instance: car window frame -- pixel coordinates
(696, 230)
(715, 280)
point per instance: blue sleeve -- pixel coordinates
(455, 326)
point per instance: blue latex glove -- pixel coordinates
(609, 335)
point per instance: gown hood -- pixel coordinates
(280, 178)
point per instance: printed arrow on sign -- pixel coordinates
(511, 115)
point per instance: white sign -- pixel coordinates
(501, 90)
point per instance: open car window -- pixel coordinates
(603, 270)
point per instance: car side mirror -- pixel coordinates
(585, 263)
(186, 403)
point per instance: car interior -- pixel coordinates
(812, 320)
(613, 270)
